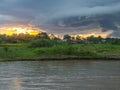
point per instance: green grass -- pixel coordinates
(22, 51)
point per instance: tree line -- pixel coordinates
(44, 37)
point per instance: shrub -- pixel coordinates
(41, 43)
(44, 43)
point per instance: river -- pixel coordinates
(60, 75)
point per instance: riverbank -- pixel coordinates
(22, 52)
(61, 59)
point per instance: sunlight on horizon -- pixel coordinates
(10, 30)
(19, 30)
(103, 35)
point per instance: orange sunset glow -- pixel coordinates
(103, 35)
(19, 30)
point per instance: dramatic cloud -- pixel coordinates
(42, 12)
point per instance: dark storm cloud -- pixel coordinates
(47, 9)
(40, 12)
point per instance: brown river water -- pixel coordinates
(60, 75)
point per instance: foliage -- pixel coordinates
(42, 35)
(60, 50)
(44, 43)
(67, 37)
(22, 46)
(27, 38)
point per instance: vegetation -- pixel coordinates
(42, 46)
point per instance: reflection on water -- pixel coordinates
(60, 75)
(16, 84)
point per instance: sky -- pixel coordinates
(42, 12)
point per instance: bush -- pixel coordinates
(41, 43)
(44, 43)
(70, 50)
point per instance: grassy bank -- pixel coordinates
(24, 52)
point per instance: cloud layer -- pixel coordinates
(40, 12)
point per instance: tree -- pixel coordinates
(67, 37)
(78, 37)
(53, 37)
(42, 35)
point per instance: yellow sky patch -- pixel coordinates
(19, 30)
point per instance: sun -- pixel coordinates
(20, 30)
(25, 31)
